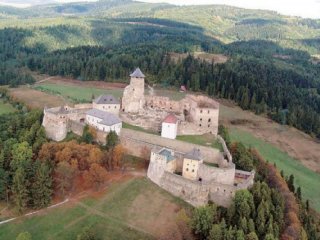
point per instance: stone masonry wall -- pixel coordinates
(134, 141)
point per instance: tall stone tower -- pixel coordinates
(133, 95)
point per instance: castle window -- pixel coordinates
(192, 170)
(208, 125)
(187, 169)
(199, 125)
(209, 120)
(109, 107)
(200, 179)
(200, 111)
(200, 119)
(208, 111)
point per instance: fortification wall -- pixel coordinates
(247, 182)
(83, 106)
(197, 193)
(219, 175)
(221, 194)
(225, 148)
(76, 127)
(191, 191)
(55, 126)
(166, 104)
(134, 141)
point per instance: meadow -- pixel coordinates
(77, 93)
(6, 108)
(206, 140)
(131, 208)
(307, 179)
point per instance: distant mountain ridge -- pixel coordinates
(225, 23)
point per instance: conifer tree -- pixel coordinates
(42, 186)
(20, 189)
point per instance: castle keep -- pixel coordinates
(196, 114)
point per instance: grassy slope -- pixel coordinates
(77, 93)
(111, 214)
(307, 179)
(6, 108)
(204, 140)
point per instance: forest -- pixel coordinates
(257, 84)
(260, 76)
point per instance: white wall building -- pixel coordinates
(169, 127)
(107, 103)
(103, 121)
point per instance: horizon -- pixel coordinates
(299, 8)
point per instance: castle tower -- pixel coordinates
(133, 95)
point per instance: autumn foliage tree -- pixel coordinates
(95, 176)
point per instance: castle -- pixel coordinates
(197, 179)
(192, 115)
(196, 114)
(194, 173)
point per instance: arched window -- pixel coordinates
(209, 120)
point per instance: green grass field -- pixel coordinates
(75, 93)
(6, 108)
(308, 180)
(137, 128)
(129, 209)
(203, 140)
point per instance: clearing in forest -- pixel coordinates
(6, 108)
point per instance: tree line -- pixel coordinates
(286, 95)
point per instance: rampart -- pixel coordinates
(134, 141)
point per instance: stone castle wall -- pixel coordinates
(134, 141)
(56, 125)
(76, 127)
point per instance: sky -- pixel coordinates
(302, 8)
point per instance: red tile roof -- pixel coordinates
(170, 119)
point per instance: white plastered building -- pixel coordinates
(169, 127)
(103, 121)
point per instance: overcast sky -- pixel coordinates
(303, 8)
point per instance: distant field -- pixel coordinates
(76, 93)
(36, 99)
(307, 179)
(129, 209)
(6, 108)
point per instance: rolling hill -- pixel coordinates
(225, 23)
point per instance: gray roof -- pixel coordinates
(167, 154)
(195, 154)
(106, 99)
(107, 118)
(137, 73)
